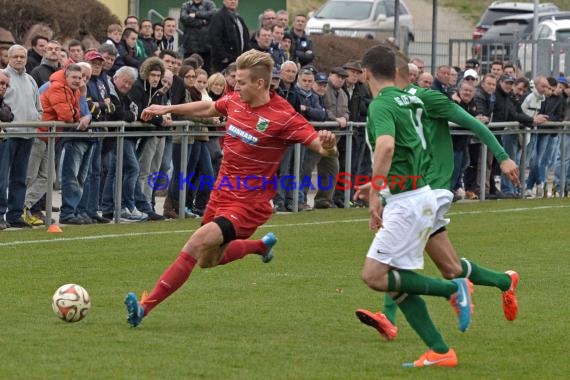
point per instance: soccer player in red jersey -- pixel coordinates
(260, 126)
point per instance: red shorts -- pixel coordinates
(245, 217)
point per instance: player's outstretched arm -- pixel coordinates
(464, 119)
(194, 109)
(511, 170)
(325, 144)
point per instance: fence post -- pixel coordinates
(119, 151)
(483, 171)
(562, 164)
(183, 167)
(297, 174)
(50, 179)
(522, 164)
(348, 164)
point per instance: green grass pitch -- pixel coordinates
(290, 319)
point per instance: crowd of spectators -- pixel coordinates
(139, 63)
(504, 94)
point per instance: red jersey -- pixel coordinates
(256, 140)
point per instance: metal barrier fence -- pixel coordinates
(184, 131)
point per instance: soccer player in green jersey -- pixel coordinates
(439, 110)
(401, 156)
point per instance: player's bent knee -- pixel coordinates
(374, 281)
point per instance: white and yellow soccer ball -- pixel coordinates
(71, 303)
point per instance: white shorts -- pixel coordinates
(407, 223)
(444, 199)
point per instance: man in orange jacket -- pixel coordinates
(61, 103)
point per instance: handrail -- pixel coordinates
(185, 130)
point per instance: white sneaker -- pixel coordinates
(528, 193)
(125, 213)
(137, 215)
(540, 190)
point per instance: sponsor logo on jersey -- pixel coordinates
(240, 133)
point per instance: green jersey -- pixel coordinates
(398, 114)
(440, 110)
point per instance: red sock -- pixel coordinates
(172, 278)
(237, 249)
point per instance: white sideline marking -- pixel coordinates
(133, 234)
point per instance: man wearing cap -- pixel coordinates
(471, 76)
(102, 108)
(336, 105)
(358, 100)
(505, 110)
(472, 63)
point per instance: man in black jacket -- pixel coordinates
(36, 53)
(506, 110)
(49, 63)
(195, 16)
(229, 35)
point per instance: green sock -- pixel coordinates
(483, 276)
(417, 315)
(405, 281)
(390, 308)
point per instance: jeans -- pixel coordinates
(14, 155)
(74, 170)
(200, 163)
(90, 200)
(460, 163)
(558, 166)
(284, 196)
(129, 180)
(511, 144)
(537, 173)
(174, 185)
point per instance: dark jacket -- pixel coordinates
(149, 45)
(506, 110)
(554, 107)
(126, 57)
(314, 110)
(225, 38)
(358, 102)
(291, 95)
(302, 49)
(484, 103)
(439, 86)
(97, 91)
(196, 29)
(461, 142)
(6, 114)
(42, 73)
(34, 60)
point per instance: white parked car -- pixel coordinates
(359, 18)
(549, 32)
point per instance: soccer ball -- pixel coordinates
(71, 303)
